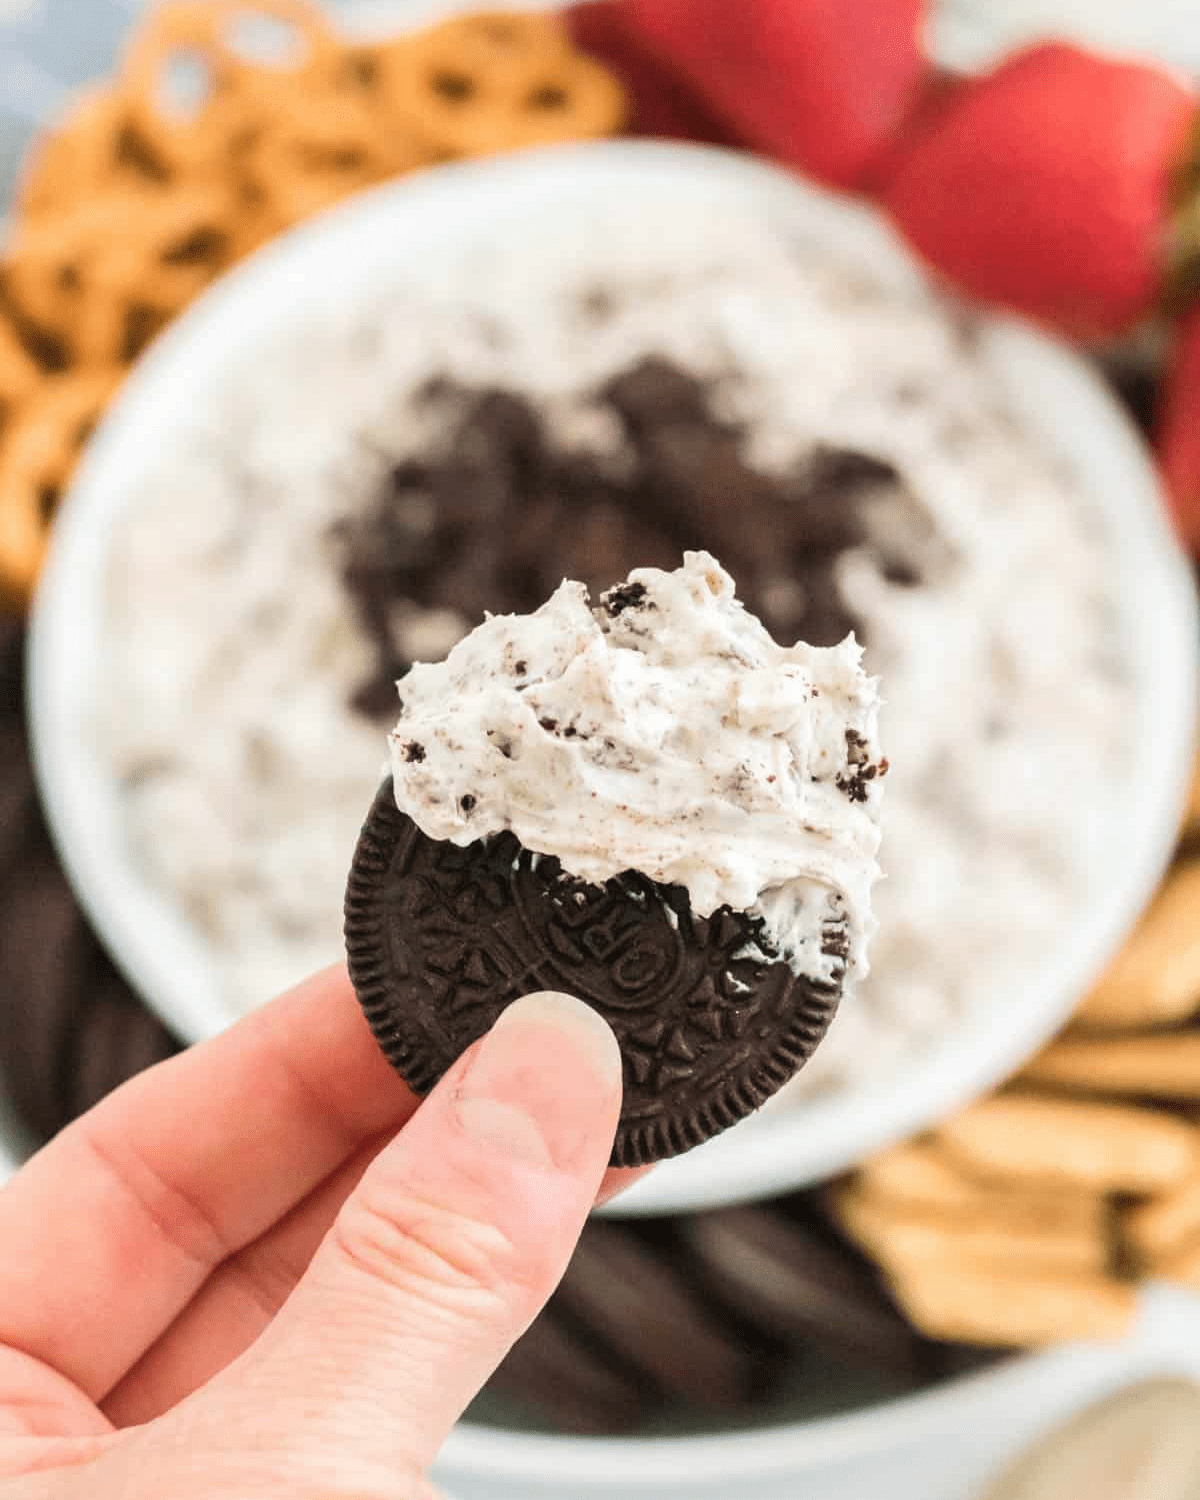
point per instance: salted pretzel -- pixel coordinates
(76, 277)
(307, 159)
(20, 375)
(40, 452)
(142, 195)
(231, 89)
(483, 84)
(85, 153)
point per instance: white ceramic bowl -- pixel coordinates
(357, 246)
(941, 1445)
(13, 1145)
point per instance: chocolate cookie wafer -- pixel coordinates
(559, 1372)
(631, 1296)
(789, 1279)
(17, 790)
(71, 1030)
(48, 958)
(441, 939)
(114, 1038)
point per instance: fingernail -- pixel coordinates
(586, 1029)
(544, 1085)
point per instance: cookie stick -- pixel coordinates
(1072, 1143)
(631, 1297)
(921, 1175)
(576, 1387)
(47, 959)
(1013, 1306)
(1157, 1228)
(909, 1239)
(1152, 1065)
(1155, 980)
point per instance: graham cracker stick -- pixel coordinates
(1014, 1307)
(1164, 1224)
(921, 1176)
(909, 1239)
(1155, 980)
(1072, 1143)
(1156, 1064)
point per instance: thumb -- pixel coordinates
(438, 1262)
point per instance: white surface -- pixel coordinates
(1063, 400)
(944, 1445)
(972, 34)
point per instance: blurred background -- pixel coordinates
(1015, 1262)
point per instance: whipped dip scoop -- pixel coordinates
(660, 731)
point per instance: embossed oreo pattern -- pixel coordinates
(441, 939)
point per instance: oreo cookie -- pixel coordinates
(48, 958)
(559, 1372)
(636, 1297)
(790, 1278)
(498, 511)
(71, 1029)
(715, 1318)
(441, 939)
(114, 1039)
(18, 795)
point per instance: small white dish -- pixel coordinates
(355, 245)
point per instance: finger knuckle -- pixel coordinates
(413, 1243)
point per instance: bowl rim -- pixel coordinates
(980, 1049)
(1024, 1391)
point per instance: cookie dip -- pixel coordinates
(347, 507)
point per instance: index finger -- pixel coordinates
(110, 1231)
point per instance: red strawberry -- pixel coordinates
(1044, 185)
(820, 84)
(662, 104)
(1177, 430)
(939, 87)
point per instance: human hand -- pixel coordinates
(239, 1276)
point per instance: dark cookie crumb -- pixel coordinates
(598, 305)
(856, 748)
(857, 786)
(495, 514)
(626, 596)
(468, 803)
(414, 754)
